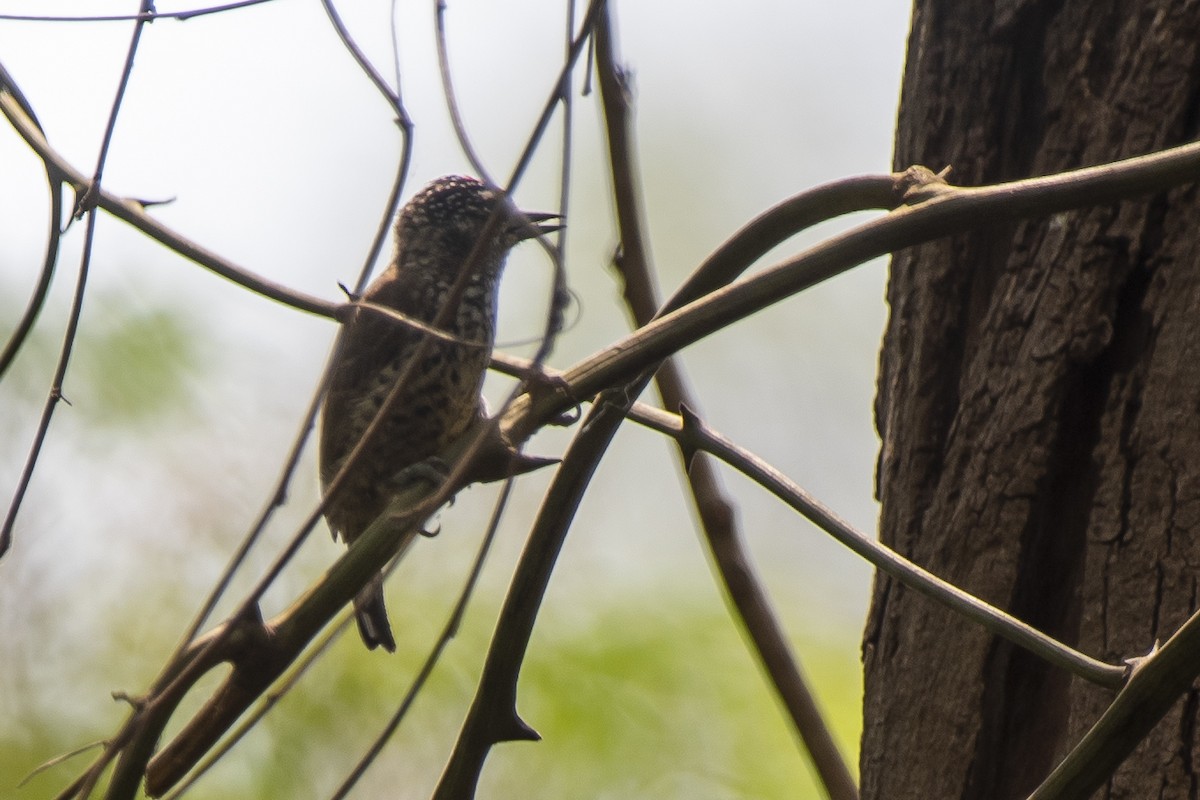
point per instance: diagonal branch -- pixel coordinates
(1157, 682)
(940, 210)
(49, 261)
(714, 507)
(693, 435)
(134, 213)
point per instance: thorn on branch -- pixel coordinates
(518, 730)
(137, 703)
(151, 203)
(1137, 663)
(691, 424)
(343, 312)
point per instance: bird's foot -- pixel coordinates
(432, 470)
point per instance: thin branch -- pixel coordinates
(1157, 682)
(695, 436)
(560, 293)
(395, 100)
(460, 128)
(84, 206)
(573, 54)
(49, 261)
(148, 16)
(493, 716)
(691, 432)
(449, 631)
(364, 63)
(714, 507)
(134, 213)
(29, 317)
(59, 759)
(942, 210)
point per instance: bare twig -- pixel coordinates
(713, 506)
(148, 16)
(942, 212)
(134, 213)
(49, 261)
(493, 716)
(84, 205)
(449, 631)
(573, 53)
(460, 128)
(279, 495)
(695, 433)
(392, 97)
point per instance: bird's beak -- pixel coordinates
(534, 224)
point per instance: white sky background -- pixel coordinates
(280, 155)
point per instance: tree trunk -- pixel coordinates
(1039, 401)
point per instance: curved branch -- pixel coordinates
(698, 435)
(460, 128)
(134, 213)
(493, 717)
(34, 307)
(942, 210)
(694, 435)
(573, 54)
(148, 16)
(392, 97)
(715, 509)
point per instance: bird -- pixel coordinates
(435, 234)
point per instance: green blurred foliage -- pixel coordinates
(129, 363)
(134, 363)
(657, 699)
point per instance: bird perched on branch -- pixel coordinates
(440, 234)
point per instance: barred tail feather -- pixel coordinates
(372, 618)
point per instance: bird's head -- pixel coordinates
(442, 224)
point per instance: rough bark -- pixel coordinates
(1038, 400)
